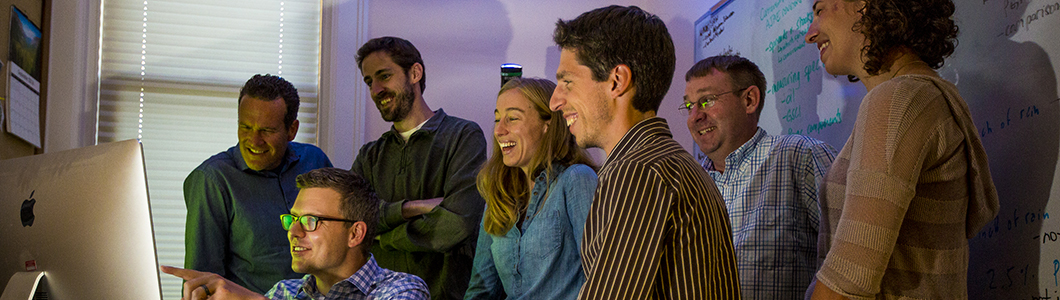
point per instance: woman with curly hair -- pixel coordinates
(538, 186)
(912, 183)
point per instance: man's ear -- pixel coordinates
(356, 234)
(292, 130)
(621, 78)
(752, 100)
(415, 73)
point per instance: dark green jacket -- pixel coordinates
(440, 159)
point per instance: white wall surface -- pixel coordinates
(73, 64)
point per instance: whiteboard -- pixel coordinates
(1004, 68)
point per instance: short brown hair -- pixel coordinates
(606, 37)
(358, 203)
(743, 72)
(401, 51)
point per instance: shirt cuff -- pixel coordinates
(391, 213)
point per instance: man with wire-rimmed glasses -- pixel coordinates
(769, 183)
(331, 228)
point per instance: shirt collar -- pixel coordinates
(364, 279)
(542, 177)
(638, 135)
(431, 125)
(367, 276)
(737, 156)
(289, 158)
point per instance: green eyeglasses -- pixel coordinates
(309, 222)
(705, 102)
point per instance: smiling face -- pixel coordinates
(262, 135)
(518, 129)
(392, 91)
(582, 100)
(326, 250)
(832, 30)
(728, 124)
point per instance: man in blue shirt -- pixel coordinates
(423, 170)
(234, 197)
(769, 183)
(330, 228)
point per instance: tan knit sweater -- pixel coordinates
(909, 188)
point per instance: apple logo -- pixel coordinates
(27, 210)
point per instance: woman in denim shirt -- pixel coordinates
(538, 187)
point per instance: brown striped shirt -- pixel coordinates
(657, 228)
(909, 188)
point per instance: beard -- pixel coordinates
(402, 104)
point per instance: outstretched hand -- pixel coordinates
(205, 285)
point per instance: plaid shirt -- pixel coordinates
(770, 189)
(370, 282)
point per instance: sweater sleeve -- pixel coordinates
(891, 141)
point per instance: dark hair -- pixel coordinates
(616, 35)
(401, 51)
(743, 72)
(359, 202)
(925, 26)
(268, 87)
(506, 189)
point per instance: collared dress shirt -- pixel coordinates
(233, 224)
(369, 282)
(657, 228)
(770, 190)
(539, 260)
(440, 159)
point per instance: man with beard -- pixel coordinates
(423, 170)
(233, 198)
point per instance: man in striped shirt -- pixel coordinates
(769, 183)
(657, 228)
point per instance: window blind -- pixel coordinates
(170, 73)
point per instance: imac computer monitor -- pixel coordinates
(81, 217)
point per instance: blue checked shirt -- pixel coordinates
(370, 282)
(770, 189)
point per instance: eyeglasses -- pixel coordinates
(309, 223)
(705, 101)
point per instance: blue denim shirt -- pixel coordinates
(540, 260)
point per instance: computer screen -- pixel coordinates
(83, 217)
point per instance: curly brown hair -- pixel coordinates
(924, 26)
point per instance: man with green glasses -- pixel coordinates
(331, 229)
(769, 183)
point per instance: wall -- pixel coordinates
(72, 75)
(70, 118)
(10, 145)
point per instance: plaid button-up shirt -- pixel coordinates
(770, 190)
(370, 282)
